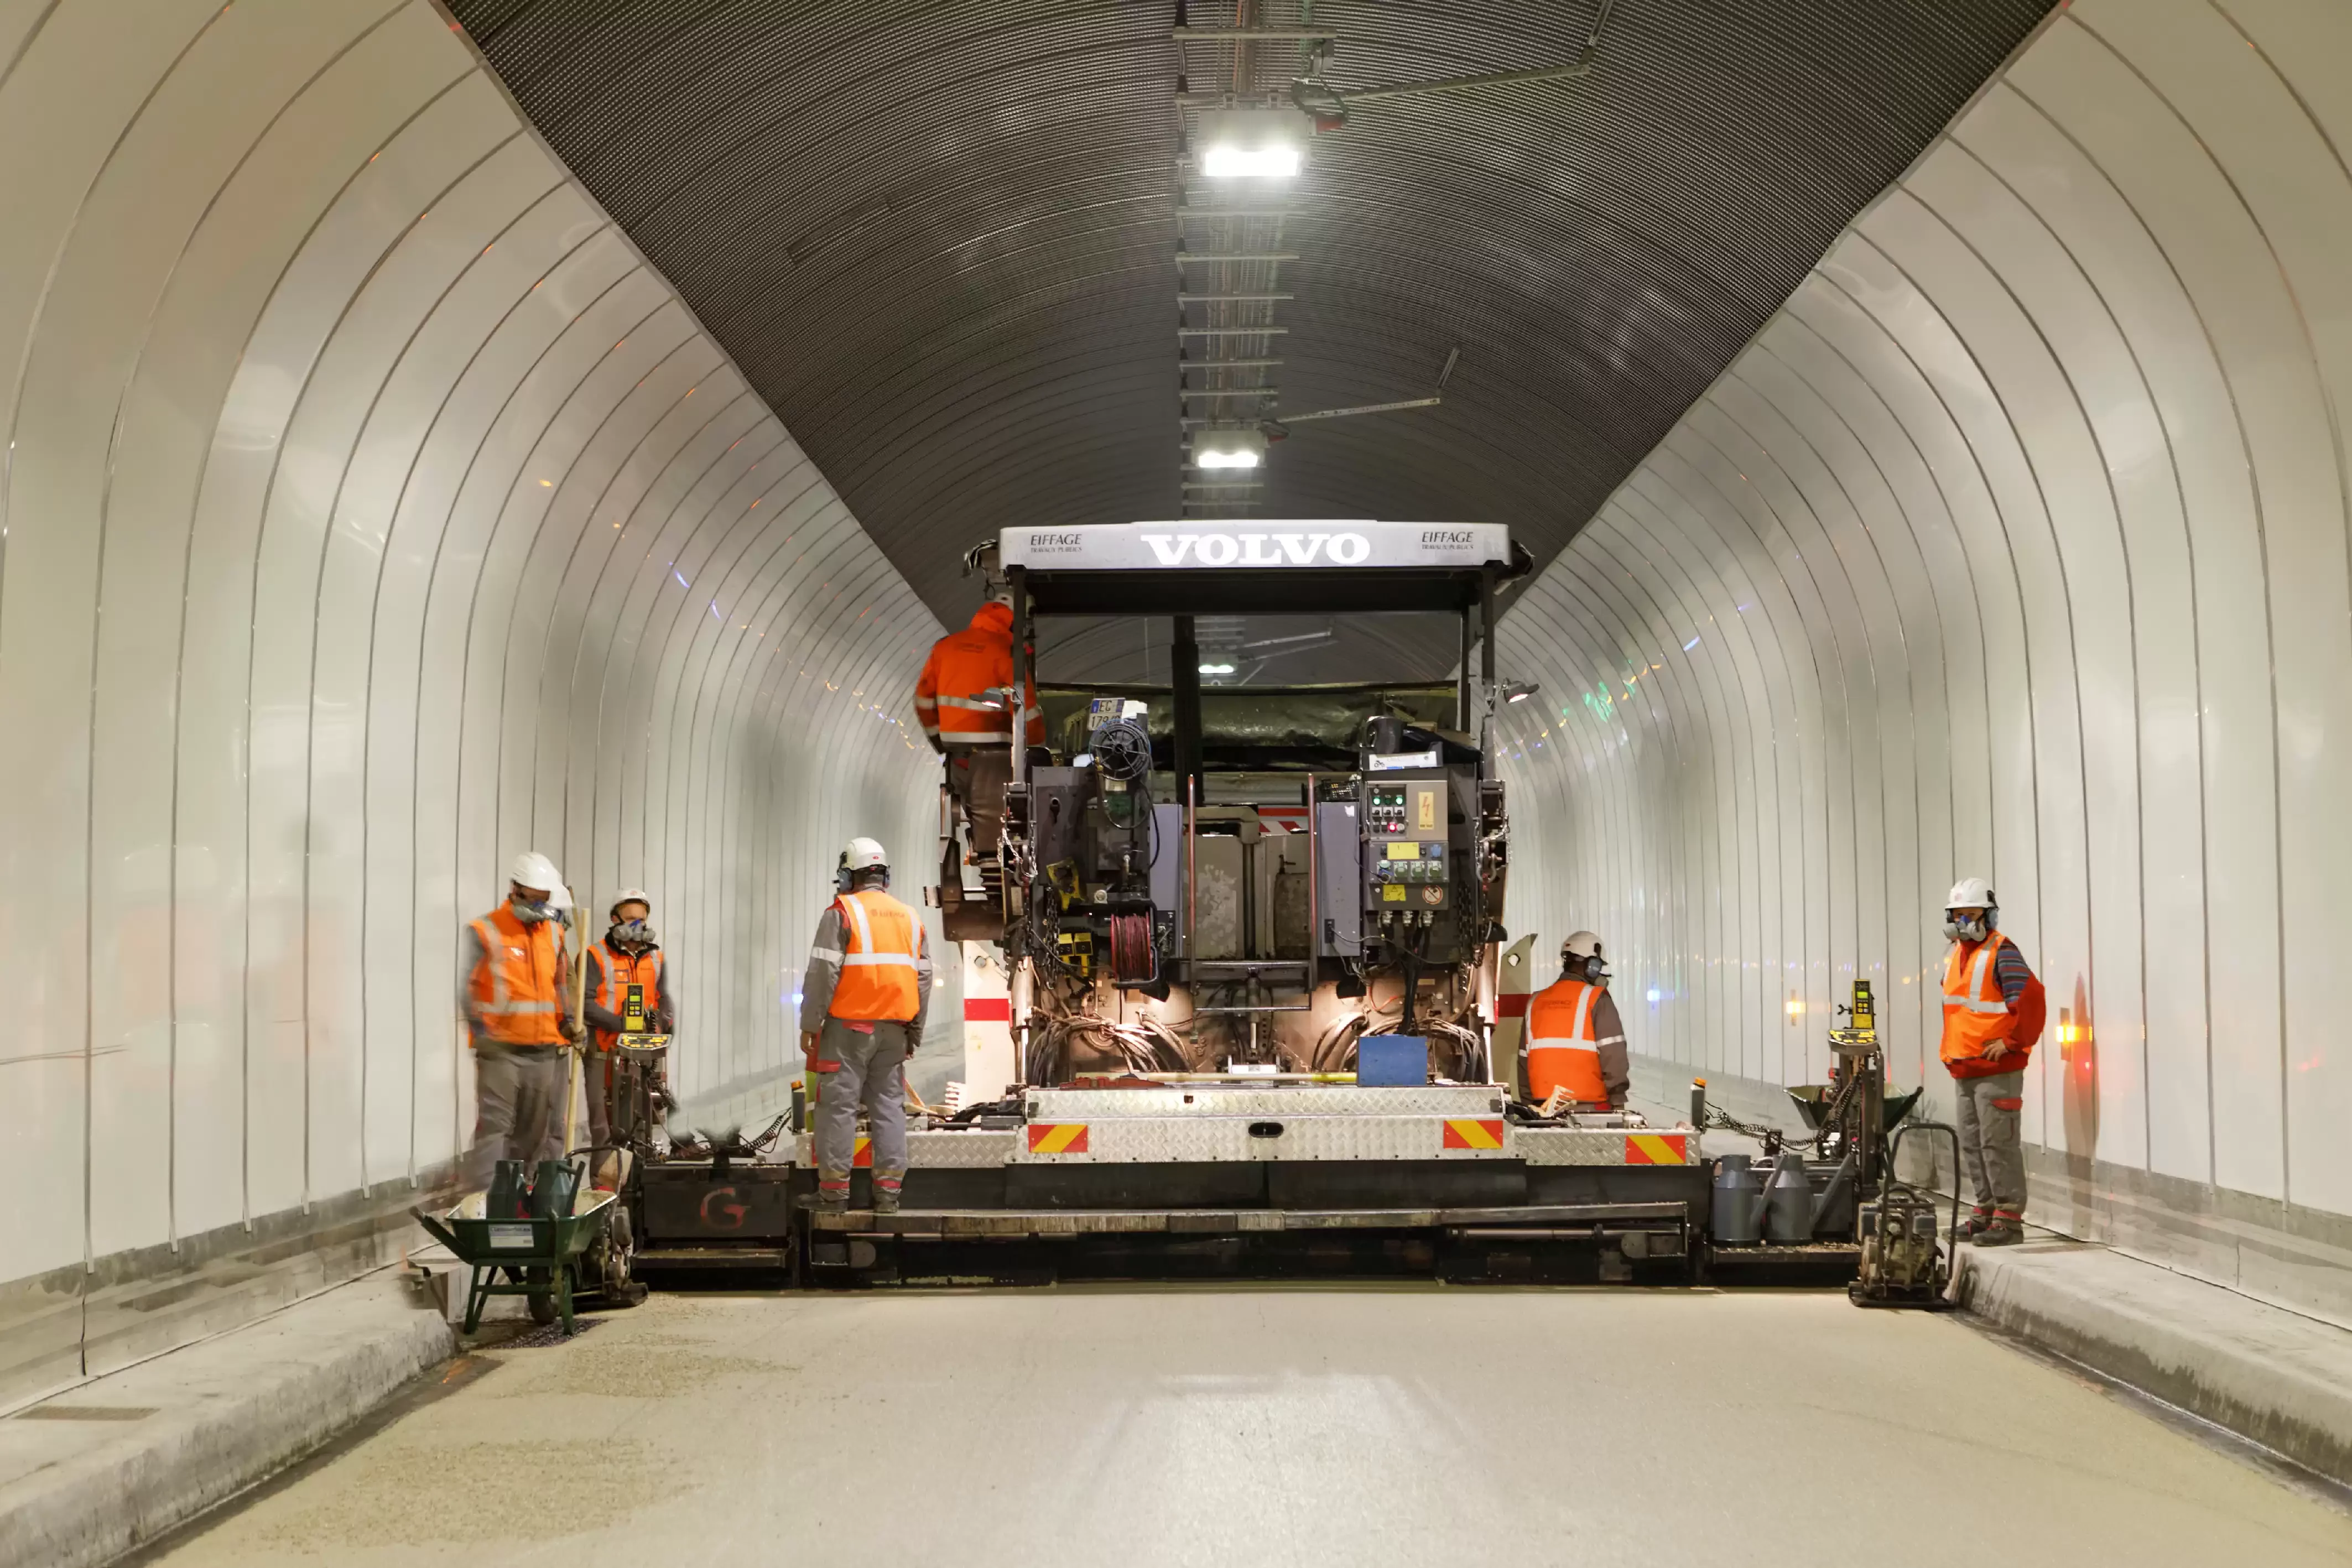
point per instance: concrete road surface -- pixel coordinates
(1410, 1425)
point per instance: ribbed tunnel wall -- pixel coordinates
(373, 512)
(2015, 545)
(370, 511)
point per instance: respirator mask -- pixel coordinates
(1974, 928)
(529, 913)
(635, 936)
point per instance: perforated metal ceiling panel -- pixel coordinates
(942, 238)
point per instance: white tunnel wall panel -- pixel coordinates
(371, 512)
(2015, 545)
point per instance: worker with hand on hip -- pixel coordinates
(1993, 1011)
(1575, 1040)
(517, 1009)
(862, 1004)
(630, 991)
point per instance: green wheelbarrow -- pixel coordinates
(540, 1257)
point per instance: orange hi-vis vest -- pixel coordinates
(949, 698)
(881, 941)
(1977, 1013)
(1563, 1051)
(621, 975)
(518, 987)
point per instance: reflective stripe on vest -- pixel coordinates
(879, 958)
(1975, 1013)
(951, 700)
(621, 972)
(1562, 1052)
(517, 986)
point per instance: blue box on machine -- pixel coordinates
(1392, 1061)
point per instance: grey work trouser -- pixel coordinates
(977, 776)
(517, 1106)
(596, 1071)
(1990, 1144)
(869, 1075)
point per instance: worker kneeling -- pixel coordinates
(1576, 1043)
(862, 1006)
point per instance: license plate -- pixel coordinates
(511, 1238)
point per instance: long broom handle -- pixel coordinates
(579, 1017)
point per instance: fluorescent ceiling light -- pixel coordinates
(1224, 457)
(1216, 669)
(1228, 448)
(1251, 144)
(1228, 161)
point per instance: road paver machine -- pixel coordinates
(1246, 1001)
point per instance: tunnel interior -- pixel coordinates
(433, 433)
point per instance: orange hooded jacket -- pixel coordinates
(952, 698)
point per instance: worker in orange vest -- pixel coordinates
(629, 992)
(1575, 1040)
(518, 1011)
(862, 1004)
(1993, 1012)
(963, 701)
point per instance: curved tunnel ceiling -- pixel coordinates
(942, 240)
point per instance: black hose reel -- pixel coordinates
(1123, 750)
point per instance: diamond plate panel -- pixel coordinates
(1586, 1146)
(972, 1150)
(960, 1151)
(1306, 1100)
(1145, 1140)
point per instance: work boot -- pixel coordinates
(1977, 1223)
(2000, 1230)
(832, 1198)
(885, 1197)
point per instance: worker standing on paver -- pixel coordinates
(629, 992)
(517, 1009)
(1576, 1042)
(963, 702)
(862, 1005)
(1993, 1010)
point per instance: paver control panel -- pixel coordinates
(1404, 863)
(1406, 806)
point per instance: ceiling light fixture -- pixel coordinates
(1226, 161)
(1228, 449)
(1251, 144)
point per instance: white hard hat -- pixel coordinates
(1583, 944)
(1972, 893)
(532, 869)
(630, 895)
(864, 854)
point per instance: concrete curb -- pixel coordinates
(223, 1415)
(2281, 1379)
